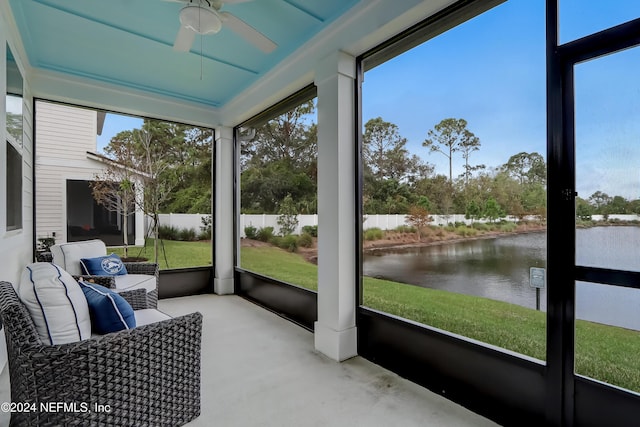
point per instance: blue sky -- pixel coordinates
(491, 72)
(114, 123)
(495, 80)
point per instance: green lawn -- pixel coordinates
(179, 254)
(603, 352)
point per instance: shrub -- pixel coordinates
(187, 234)
(466, 231)
(480, 226)
(374, 233)
(251, 232)
(405, 229)
(288, 242)
(508, 227)
(305, 240)
(311, 229)
(168, 232)
(205, 235)
(264, 234)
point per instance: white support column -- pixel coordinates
(335, 330)
(223, 216)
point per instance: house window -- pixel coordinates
(14, 131)
(14, 188)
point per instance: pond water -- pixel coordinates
(499, 269)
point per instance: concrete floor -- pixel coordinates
(261, 370)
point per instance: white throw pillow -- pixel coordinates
(56, 303)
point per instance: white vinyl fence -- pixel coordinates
(385, 222)
(263, 220)
(182, 221)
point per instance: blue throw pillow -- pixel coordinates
(109, 311)
(108, 265)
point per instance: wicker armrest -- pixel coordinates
(106, 281)
(142, 268)
(150, 374)
(137, 298)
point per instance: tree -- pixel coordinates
(449, 136)
(534, 201)
(600, 201)
(280, 159)
(114, 187)
(262, 187)
(583, 209)
(419, 215)
(290, 137)
(619, 205)
(440, 192)
(473, 211)
(149, 155)
(192, 168)
(288, 218)
(467, 146)
(385, 156)
(492, 210)
(634, 206)
(385, 196)
(527, 168)
(116, 193)
(158, 179)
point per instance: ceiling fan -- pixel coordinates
(204, 17)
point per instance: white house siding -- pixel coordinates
(16, 246)
(64, 134)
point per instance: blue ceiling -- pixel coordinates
(130, 43)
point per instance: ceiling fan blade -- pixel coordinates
(184, 40)
(249, 33)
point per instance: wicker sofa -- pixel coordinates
(145, 376)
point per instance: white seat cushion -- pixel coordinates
(149, 315)
(130, 282)
(68, 255)
(55, 302)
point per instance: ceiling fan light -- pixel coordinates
(202, 20)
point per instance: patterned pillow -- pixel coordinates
(55, 302)
(109, 311)
(108, 265)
